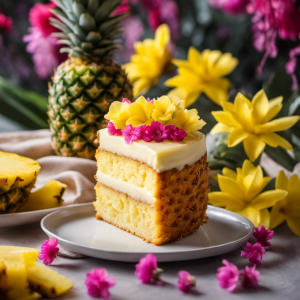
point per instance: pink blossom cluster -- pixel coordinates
(272, 18)
(229, 276)
(5, 23)
(155, 132)
(41, 43)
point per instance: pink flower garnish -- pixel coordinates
(173, 133)
(186, 281)
(113, 130)
(48, 251)
(133, 133)
(126, 100)
(262, 235)
(254, 253)
(250, 277)
(98, 283)
(146, 270)
(228, 276)
(122, 8)
(154, 132)
(5, 23)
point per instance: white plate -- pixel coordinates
(77, 230)
(25, 218)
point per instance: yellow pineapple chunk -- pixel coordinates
(16, 273)
(7, 249)
(16, 171)
(49, 196)
(48, 282)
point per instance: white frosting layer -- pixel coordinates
(160, 156)
(124, 187)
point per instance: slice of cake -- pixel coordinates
(152, 175)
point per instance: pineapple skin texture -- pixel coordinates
(49, 196)
(17, 178)
(80, 94)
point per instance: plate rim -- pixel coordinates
(244, 238)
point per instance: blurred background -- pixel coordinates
(25, 68)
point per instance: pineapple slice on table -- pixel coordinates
(16, 274)
(17, 178)
(84, 86)
(17, 263)
(49, 196)
(48, 282)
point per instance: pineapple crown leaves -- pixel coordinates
(87, 28)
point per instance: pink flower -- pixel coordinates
(5, 23)
(291, 65)
(39, 16)
(113, 130)
(48, 251)
(272, 18)
(250, 277)
(254, 253)
(122, 8)
(126, 100)
(45, 52)
(154, 132)
(173, 133)
(262, 235)
(98, 283)
(133, 133)
(186, 281)
(146, 270)
(228, 276)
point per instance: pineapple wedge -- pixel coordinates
(17, 178)
(16, 273)
(48, 282)
(49, 196)
(20, 276)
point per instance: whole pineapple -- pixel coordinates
(17, 178)
(84, 86)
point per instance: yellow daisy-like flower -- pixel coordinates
(287, 209)
(187, 119)
(140, 112)
(150, 61)
(203, 73)
(118, 114)
(250, 123)
(241, 193)
(163, 109)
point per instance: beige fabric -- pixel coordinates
(77, 173)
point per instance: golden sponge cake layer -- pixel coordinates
(126, 169)
(124, 212)
(179, 209)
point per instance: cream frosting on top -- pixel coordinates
(162, 156)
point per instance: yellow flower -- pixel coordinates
(241, 193)
(288, 208)
(140, 112)
(150, 61)
(164, 108)
(250, 123)
(203, 72)
(187, 120)
(118, 114)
